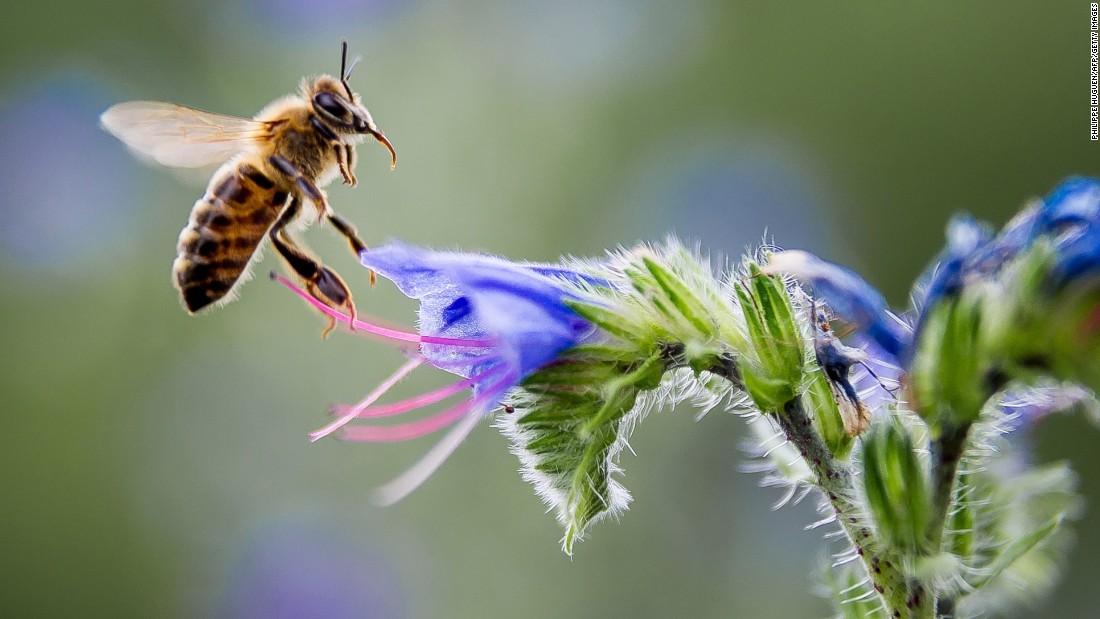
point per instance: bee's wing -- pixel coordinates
(179, 136)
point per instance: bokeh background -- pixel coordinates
(155, 464)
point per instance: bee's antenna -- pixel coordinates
(345, 70)
(343, 56)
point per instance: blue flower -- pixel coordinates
(1070, 215)
(1074, 202)
(519, 308)
(1023, 408)
(966, 240)
(490, 321)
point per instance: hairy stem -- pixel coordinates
(902, 597)
(947, 453)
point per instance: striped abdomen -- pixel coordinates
(226, 226)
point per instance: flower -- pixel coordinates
(990, 309)
(490, 321)
(1071, 214)
(947, 274)
(1069, 217)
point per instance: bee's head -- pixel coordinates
(337, 105)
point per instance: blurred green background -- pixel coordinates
(155, 464)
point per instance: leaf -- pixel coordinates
(691, 308)
(569, 441)
(1015, 550)
(605, 319)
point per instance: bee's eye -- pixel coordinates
(330, 105)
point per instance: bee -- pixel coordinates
(272, 167)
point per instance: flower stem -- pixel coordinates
(901, 596)
(947, 453)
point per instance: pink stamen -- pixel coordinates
(416, 429)
(412, 478)
(386, 385)
(389, 410)
(395, 334)
(363, 410)
(419, 473)
(406, 431)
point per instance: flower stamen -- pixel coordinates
(393, 334)
(406, 431)
(418, 473)
(416, 429)
(386, 385)
(363, 410)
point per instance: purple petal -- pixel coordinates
(965, 237)
(520, 307)
(1072, 214)
(1015, 237)
(1074, 201)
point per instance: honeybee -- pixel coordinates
(272, 166)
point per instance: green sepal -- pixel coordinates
(567, 427)
(952, 370)
(570, 374)
(767, 393)
(897, 490)
(772, 369)
(1016, 549)
(961, 525)
(689, 305)
(608, 320)
(826, 416)
(786, 337)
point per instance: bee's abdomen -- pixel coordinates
(225, 228)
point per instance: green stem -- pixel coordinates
(947, 452)
(902, 597)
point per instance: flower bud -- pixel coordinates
(953, 372)
(897, 491)
(825, 409)
(773, 366)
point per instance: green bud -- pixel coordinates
(896, 487)
(826, 414)
(953, 372)
(772, 368)
(689, 310)
(1051, 331)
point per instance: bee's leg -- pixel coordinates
(345, 158)
(345, 155)
(321, 282)
(345, 228)
(305, 185)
